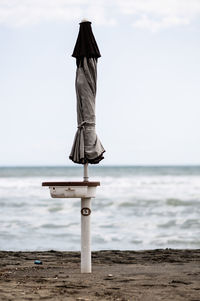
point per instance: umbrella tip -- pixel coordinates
(84, 20)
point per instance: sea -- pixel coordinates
(136, 208)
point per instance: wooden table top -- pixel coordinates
(89, 184)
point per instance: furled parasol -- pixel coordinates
(87, 147)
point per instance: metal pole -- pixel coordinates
(85, 176)
(86, 265)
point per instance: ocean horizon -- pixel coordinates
(136, 207)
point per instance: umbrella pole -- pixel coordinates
(86, 265)
(85, 235)
(85, 175)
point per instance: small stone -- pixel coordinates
(109, 277)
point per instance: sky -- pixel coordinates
(148, 89)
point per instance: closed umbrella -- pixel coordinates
(87, 147)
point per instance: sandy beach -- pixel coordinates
(117, 275)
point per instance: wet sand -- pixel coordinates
(117, 275)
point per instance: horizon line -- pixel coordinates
(101, 166)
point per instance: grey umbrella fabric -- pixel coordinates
(87, 147)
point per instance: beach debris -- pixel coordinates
(38, 262)
(82, 299)
(181, 282)
(109, 277)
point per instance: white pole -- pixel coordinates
(85, 176)
(86, 265)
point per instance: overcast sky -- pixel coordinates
(148, 97)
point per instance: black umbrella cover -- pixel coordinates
(86, 45)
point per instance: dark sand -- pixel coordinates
(144, 275)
